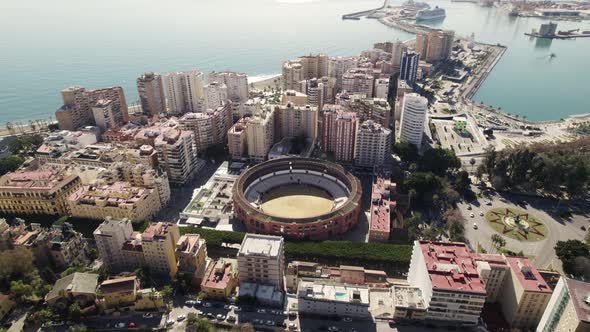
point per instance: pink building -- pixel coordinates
(338, 132)
(381, 206)
(236, 138)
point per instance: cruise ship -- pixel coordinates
(430, 14)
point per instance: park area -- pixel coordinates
(516, 224)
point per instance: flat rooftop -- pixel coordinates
(451, 267)
(333, 292)
(261, 245)
(408, 297)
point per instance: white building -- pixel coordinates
(260, 134)
(110, 237)
(381, 88)
(261, 260)
(358, 81)
(236, 83)
(568, 309)
(333, 299)
(373, 144)
(184, 90)
(215, 94)
(448, 280)
(414, 108)
(297, 121)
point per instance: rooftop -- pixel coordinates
(220, 273)
(580, 296)
(156, 231)
(118, 194)
(48, 177)
(408, 297)
(75, 283)
(333, 292)
(261, 245)
(117, 285)
(451, 267)
(381, 205)
(527, 275)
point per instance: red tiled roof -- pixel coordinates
(527, 275)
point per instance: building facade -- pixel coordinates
(215, 94)
(359, 81)
(261, 259)
(191, 251)
(414, 109)
(338, 132)
(236, 83)
(333, 299)
(260, 134)
(184, 91)
(209, 127)
(373, 144)
(237, 141)
(568, 308)
(151, 94)
(159, 248)
(409, 67)
(109, 237)
(294, 121)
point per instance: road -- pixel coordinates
(542, 252)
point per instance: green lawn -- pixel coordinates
(503, 221)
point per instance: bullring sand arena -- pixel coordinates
(296, 201)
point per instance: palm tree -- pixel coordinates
(472, 162)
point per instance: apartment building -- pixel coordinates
(159, 248)
(373, 144)
(237, 139)
(524, 295)
(409, 66)
(110, 236)
(333, 299)
(261, 259)
(78, 102)
(215, 94)
(184, 91)
(397, 52)
(358, 80)
(366, 108)
(448, 280)
(568, 308)
(260, 133)
(339, 129)
(150, 88)
(221, 279)
(236, 83)
(303, 68)
(117, 200)
(191, 252)
(493, 270)
(319, 91)
(65, 245)
(294, 121)
(209, 127)
(381, 88)
(337, 66)
(175, 148)
(434, 46)
(126, 294)
(414, 109)
(43, 191)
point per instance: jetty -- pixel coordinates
(358, 15)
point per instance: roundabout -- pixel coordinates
(516, 224)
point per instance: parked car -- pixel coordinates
(333, 329)
(347, 319)
(220, 317)
(226, 307)
(207, 305)
(120, 325)
(237, 309)
(481, 213)
(474, 226)
(472, 215)
(261, 311)
(148, 315)
(181, 318)
(231, 318)
(190, 302)
(169, 322)
(270, 323)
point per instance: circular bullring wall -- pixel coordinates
(297, 198)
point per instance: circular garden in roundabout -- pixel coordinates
(516, 224)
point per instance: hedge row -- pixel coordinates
(345, 252)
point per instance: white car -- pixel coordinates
(169, 322)
(472, 215)
(181, 318)
(481, 213)
(474, 226)
(148, 315)
(220, 317)
(207, 304)
(120, 325)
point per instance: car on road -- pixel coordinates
(190, 302)
(237, 309)
(198, 302)
(207, 305)
(210, 315)
(333, 329)
(257, 322)
(472, 215)
(220, 317)
(489, 203)
(120, 325)
(148, 315)
(261, 311)
(474, 226)
(481, 213)
(469, 207)
(169, 322)
(391, 322)
(181, 318)
(293, 314)
(132, 324)
(270, 323)
(347, 319)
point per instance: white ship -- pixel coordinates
(430, 14)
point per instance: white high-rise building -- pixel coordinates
(184, 90)
(215, 94)
(568, 309)
(109, 238)
(381, 88)
(261, 260)
(236, 83)
(414, 108)
(373, 144)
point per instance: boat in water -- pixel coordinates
(430, 14)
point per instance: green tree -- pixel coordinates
(20, 290)
(74, 311)
(406, 151)
(77, 328)
(439, 161)
(166, 292)
(16, 264)
(567, 252)
(463, 182)
(10, 164)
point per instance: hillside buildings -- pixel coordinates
(159, 248)
(77, 288)
(151, 94)
(373, 144)
(184, 90)
(78, 108)
(126, 294)
(43, 191)
(568, 308)
(110, 236)
(414, 109)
